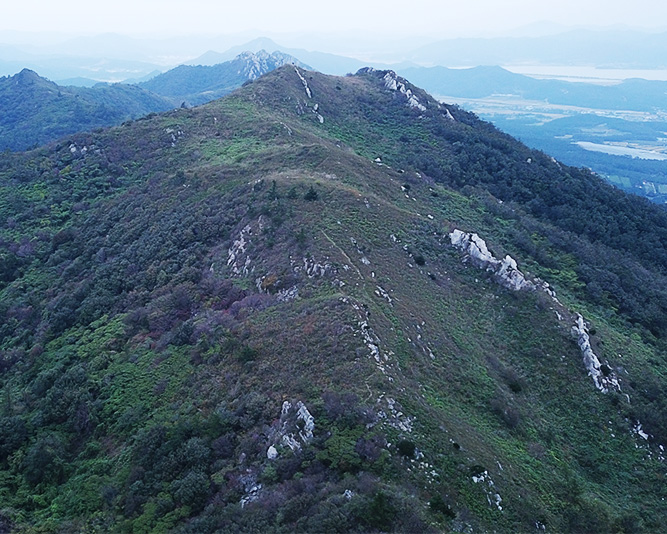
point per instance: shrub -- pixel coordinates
(311, 194)
(406, 448)
(44, 461)
(247, 354)
(512, 379)
(13, 433)
(381, 512)
(439, 505)
(191, 490)
(269, 475)
(340, 452)
(508, 413)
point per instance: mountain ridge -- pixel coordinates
(559, 117)
(325, 62)
(251, 315)
(36, 110)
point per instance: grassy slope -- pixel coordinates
(131, 330)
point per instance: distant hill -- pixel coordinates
(200, 84)
(77, 81)
(66, 67)
(321, 61)
(211, 57)
(482, 81)
(622, 49)
(34, 110)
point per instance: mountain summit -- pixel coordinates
(326, 304)
(197, 84)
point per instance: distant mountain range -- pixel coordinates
(582, 124)
(199, 84)
(35, 111)
(323, 62)
(483, 81)
(117, 57)
(89, 68)
(614, 49)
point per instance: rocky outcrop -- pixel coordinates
(492, 496)
(256, 64)
(506, 271)
(251, 488)
(295, 430)
(370, 338)
(237, 252)
(603, 376)
(507, 274)
(394, 83)
(309, 93)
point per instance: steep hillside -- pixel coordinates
(34, 111)
(326, 304)
(198, 84)
(618, 130)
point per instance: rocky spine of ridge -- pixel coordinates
(508, 275)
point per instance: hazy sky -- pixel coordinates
(443, 18)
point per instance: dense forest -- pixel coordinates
(36, 111)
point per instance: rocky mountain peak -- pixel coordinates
(256, 64)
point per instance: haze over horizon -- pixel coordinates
(423, 19)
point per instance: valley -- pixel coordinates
(571, 133)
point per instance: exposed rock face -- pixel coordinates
(394, 83)
(296, 427)
(602, 374)
(256, 64)
(381, 292)
(309, 93)
(508, 275)
(311, 267)
(492, 496)
(251, 488)
(370, 339)
(393, 414)
(237, 251)
(639, 431)
(506, 271)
